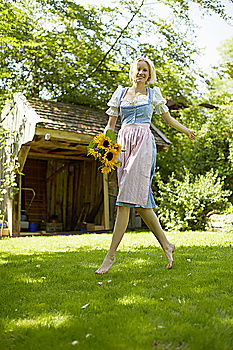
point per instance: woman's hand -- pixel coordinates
(191, 134)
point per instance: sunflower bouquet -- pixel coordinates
(104, 148)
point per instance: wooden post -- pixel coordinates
(23, 153)
(10, 214)
(1, 231)
(16, 206)
(106, 202)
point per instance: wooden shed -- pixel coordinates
(60, 188)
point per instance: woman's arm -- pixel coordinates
(111, 123)
(178, 126)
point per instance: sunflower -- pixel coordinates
(99, 138)
(105, 143)
(94, 153)
(110, 157)
(118, 148)
(104, 148)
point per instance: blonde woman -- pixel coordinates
(135, 105)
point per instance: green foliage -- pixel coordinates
(184, 205)
(111, 134)
(52, 49)
(186, 199)
(227, 56)
(213, 148)
(181, 6)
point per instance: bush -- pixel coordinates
(185, 205)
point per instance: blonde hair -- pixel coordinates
(152, 73)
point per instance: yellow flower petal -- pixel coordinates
(99, 138)
(106, 170)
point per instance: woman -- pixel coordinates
(136, 105)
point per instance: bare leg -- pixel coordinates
(120, 226)
(151, 220)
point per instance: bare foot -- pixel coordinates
(109, 260)
(168, 253)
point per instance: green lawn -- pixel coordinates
(51, 298)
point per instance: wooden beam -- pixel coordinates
(2, 227)
(106, 202)
(22, 156)
(67, 145)
(17, 220)
(64, 152)
(34, 148)
(36, 155)
(10, 214)
(64, 135)
(39, 140)
(49, 149)
(50, 146)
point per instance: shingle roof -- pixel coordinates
(79, 119)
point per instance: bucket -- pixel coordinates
(32, 227)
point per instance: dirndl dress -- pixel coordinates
(136, 172)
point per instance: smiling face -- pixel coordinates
(141, 72)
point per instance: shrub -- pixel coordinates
(185, 205)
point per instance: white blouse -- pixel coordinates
(159, 102)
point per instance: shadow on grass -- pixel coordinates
(51, 300)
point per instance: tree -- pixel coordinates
(227, 57)
(44, 54)
(51, 48)
(213, 148)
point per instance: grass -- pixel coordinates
(51, 298)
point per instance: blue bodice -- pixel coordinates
(137, 113)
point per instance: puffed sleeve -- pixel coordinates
(114, 101)
(159, 102)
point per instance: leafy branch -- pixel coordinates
(112, 46)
